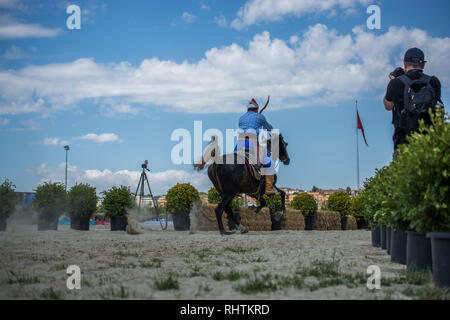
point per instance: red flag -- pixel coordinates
(360, 126)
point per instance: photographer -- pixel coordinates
(410, 94)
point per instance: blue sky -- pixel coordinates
(116, 89)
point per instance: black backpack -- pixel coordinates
(419, 96)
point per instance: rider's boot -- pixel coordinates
(270, 179)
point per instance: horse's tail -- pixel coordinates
(210, 154)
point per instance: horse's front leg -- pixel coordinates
(226, 200)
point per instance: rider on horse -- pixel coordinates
(250, 125)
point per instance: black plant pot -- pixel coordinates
(2, 224)
(388, 239)
(119, 223)
(344, 220)
(362, 223)
(440, 252)
(47, 224)
(383, 237)
(398, 246)
(376, 237)
(309, 221)
(418, 252)
(277, 222)
(181, 221)
(79, 223)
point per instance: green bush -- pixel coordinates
(422, 176)
(273, 203)
(340, 202)
(236, 203)
(50, 200)
(117, 200)
(304, 202)
(82, 201)
(213, 196)
(8, 199)
(356, 207)
(181, 197)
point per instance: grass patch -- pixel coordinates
(231, 276)
(154, 263)
(258, 284)
(238, 250)
(22, 279)
(116, 264)
(169, 283)
(428, 292)
(126, 254)
(51, 294)
(111, 292)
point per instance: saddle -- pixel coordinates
(253, 169)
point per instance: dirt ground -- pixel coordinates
(204, 265)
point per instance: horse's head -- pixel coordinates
(282, 148)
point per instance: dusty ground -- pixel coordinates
(178, 265)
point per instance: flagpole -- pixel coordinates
(357, 148)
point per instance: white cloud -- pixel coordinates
(12, 29)
(13, 53)
(188, 17)
(319, 67)
(104, 137)
(4, 121)
(119, 109)
(221, 21)
(160, 182)
(54, 142)
(256, 11)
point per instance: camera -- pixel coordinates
(397, 72)
(144, 165)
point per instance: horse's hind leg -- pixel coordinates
(235, 218)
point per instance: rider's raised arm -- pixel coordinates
(264, 122)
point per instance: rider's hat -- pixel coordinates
(253, 104)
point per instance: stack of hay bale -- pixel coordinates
(256, 221)
(206, 219)
(352, 223)
(293, 220)
(327, 220)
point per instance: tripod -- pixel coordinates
(141, 185)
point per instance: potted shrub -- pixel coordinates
(340, 201)
(82, 204)
(180, 199)
(370, 204)
(308, 207)
(357, 212)
(8, 201)
(115, 203)
(50, 202)
(274, 205)
(423, 174)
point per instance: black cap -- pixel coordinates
(415, 55)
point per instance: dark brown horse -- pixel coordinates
(231, 179)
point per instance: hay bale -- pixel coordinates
(293, 220)
(206, 219)
(327, 220)
(352, 223)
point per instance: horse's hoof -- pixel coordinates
(244, 231)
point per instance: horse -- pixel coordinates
(234, 178)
